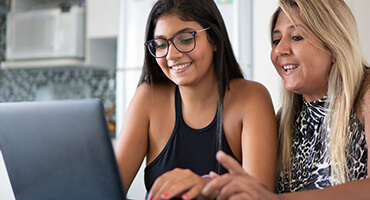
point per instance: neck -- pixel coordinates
(199, 94)
(199, 104)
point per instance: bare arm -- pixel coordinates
(259, 149)
(259, 137)
(132, 143)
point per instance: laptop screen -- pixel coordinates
(59, 150)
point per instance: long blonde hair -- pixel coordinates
(332, 22)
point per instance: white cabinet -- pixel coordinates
(103, 18)
(100, 30)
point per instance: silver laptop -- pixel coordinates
(57, 150)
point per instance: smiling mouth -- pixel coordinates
(178, 67)
(289, 67)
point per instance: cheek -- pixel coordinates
(323, 62)
(202, 50)
(162, 63)
(273, 59)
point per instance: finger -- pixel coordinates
(240, 196)
(162, 187)
(188, 190)
(215, 184)
(213, 175)
(158, 183)
(177, 182)
(173, 189)
(195, 190)
(235, 186)
(229, 163)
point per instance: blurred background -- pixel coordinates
(71, 49)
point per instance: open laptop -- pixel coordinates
(57, 150)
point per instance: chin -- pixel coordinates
(291, 88)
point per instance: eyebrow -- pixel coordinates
(290, 27)
(180, 31)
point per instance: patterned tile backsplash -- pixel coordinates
(58, 83)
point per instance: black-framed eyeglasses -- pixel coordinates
(183, 42)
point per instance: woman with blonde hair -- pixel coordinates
(325, 109)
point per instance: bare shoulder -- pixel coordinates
(149, 103)
(248, 91)
(366, 100)
(247, 98)
(363, 108)
(151, 95)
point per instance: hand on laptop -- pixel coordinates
(236, 184)
(179, 183)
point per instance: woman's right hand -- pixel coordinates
(237, 184)
(179, 183)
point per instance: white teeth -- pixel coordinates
(290, 67)
(177, 67)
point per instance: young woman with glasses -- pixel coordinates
(192, 101)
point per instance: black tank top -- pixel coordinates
(187, 148)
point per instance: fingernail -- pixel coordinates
(165, 195)
(185, 196)
(150, 198)
(206, 176)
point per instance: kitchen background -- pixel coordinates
(112, 56)
(39, 77)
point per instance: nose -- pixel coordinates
(173, 53)
(283, 47)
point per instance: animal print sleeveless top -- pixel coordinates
(310, 167)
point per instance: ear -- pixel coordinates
(214, 47)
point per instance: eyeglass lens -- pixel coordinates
(184, 42)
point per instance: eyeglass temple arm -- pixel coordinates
(203, 30)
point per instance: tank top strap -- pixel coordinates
(178, 109)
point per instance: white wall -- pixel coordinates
(263, 70)
(360, 9)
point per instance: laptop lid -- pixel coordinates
(6, 187)
(59, 150)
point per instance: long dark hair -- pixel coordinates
(206, 13)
